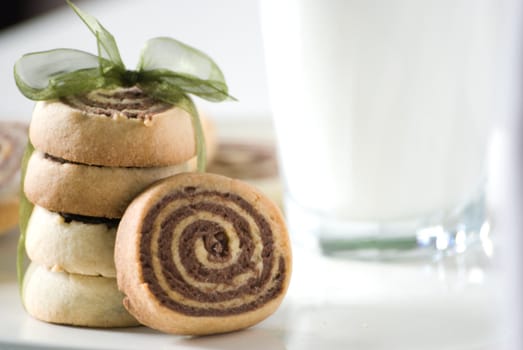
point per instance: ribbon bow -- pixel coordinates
(167, 70)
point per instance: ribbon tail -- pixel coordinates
(171, 94)
(199, 137)
(26, 208)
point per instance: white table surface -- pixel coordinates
(332, 304)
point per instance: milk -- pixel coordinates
(381, 108)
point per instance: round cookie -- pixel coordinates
(61, 186)
(13, 138)
(117, 128)
(59, 297)
(250, 161)
(201, 254)
(62, 243)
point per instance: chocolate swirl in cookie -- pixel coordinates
(210, 253)
(200, 253)
(122, 127)
(87, 190)
(91, 220)
(131, 102)
(245, 160)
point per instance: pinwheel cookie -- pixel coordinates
(13, 138)
(64, 186)
(253, 162)
(60, 297)
(71, 243)
(122, 127)
(202, 254)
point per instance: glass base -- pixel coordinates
(429, 237)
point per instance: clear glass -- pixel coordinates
(382, 112)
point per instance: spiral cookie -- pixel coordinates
(88, 190)
(59, 297)
(202, 254)
(71, 243)
(13, 137)
(123, 127)
(252, 162)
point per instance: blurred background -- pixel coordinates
(227, 30)
(459, 289)
(17, 11)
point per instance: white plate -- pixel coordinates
(331, 304)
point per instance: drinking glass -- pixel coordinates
(382, 113)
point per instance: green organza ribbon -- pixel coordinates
(168, 70)
(25, 210)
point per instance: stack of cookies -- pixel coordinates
(93, 155)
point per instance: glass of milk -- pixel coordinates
(382, 111)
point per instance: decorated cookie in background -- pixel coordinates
(250, 161)
(13, 138)
(97, 144)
